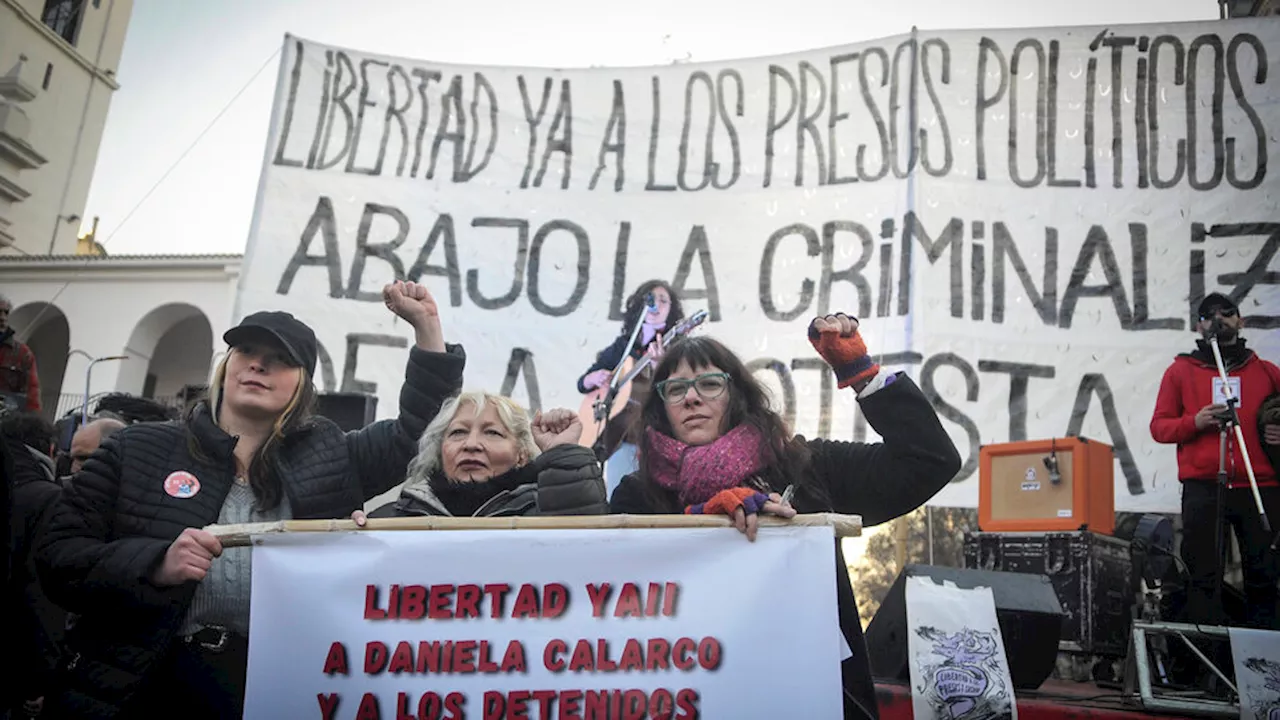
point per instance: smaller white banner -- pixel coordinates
(958, 666)
(672, 623)
(1256, 654)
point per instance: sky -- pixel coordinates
(184, 62)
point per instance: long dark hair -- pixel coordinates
(786, 459)
(264, 468)
(635, 307)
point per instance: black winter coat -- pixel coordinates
(878, 481)
(565, 480)
(37, 623)
(115, 521)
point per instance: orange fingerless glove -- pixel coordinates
(846, 355)
(726, 502)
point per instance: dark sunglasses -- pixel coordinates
(1226, 312)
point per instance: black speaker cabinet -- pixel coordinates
(1092, 575)
(351, 411)
(1027, 609)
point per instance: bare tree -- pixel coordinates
(906, 541)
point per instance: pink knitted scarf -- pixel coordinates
(698, 472)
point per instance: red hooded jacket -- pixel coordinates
(18, 374)
(1188, 386)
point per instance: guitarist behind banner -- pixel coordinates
(656, 308)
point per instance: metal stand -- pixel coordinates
(604, 407)
(1146, 672)
(1233, 420)
(1221, 546)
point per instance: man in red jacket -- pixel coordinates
(19, 382)
(1189, 413)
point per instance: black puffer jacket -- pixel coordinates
(565, 480)
(115, 521)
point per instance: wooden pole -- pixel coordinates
(241, 535)
(901, 538)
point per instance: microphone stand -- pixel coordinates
(1219, 528)
(604, 406)
(1232, 420)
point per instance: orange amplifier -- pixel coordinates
(1047, 485)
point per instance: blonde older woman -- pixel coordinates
(482, 456)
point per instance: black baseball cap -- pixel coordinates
(299, 341)
(1214, 301)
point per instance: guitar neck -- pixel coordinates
(639, 368)
(667, 339)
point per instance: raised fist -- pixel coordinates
(414, 303)
(556, 427)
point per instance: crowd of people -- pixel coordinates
(37, 467)
(141, 611)
(128, 608)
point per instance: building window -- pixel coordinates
(63, 17)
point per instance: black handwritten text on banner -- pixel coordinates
(1023, 220)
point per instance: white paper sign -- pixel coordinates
(1256, 654)
(957, 660)
(1024, 220)
(1219, 391)
(677, 623)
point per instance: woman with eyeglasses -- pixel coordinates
(710, 443)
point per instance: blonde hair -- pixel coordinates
(430, 455)
(263, 478)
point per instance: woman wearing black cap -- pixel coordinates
(164, 610)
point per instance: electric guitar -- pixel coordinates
(593, 408)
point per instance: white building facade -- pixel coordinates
(165, 315)
(58, 61)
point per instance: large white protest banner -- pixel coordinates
(1024, 220)
(490, 624)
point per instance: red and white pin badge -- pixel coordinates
(181, 484)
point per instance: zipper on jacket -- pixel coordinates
(502, 495)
